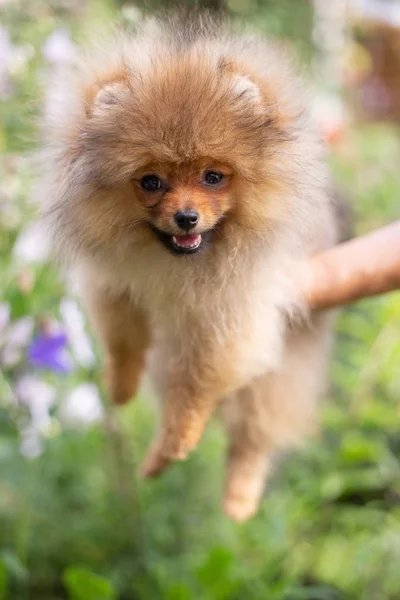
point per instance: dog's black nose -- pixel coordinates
(186, 219)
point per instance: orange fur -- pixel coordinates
(217, 326)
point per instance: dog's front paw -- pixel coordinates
(122, 384)
(119, 395)
(163, 452)
(155, 462)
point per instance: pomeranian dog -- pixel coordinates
(185, 185)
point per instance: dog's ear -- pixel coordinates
(109, 95)
(251, 88)
(244, 84)
(105, 95)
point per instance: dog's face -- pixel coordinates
(169, 153)
(185, 203)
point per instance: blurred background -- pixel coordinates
(75, 520)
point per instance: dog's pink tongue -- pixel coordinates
(187, 241)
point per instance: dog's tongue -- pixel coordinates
(187, 241)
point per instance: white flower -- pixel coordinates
(19, 333)
(4, 316)
(19, 60)
(13, 60)
(32, 245)
(17, 337)
(6, 47)
(6, 53)
(58, 48)
(10, 356)
(78, 339)
(31, 443)
(82, 406)
(39, 397)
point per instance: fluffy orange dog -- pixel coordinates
(186, 183)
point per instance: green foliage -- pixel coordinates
(3, 581)
(81, 584)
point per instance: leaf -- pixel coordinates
(82, 584)
(14, 566)
(216, 574)
(3, 581)
(179, 591)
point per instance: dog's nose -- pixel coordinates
(186, 219)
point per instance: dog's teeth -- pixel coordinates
(178, 241)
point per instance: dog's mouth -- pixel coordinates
(190, 243)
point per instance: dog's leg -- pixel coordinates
(186, 411)
(123, 330)
(272, 414)
(248, 459)
(198, 377)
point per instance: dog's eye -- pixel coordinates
(213, 177)
(150, 183)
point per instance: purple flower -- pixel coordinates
(48, 350)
